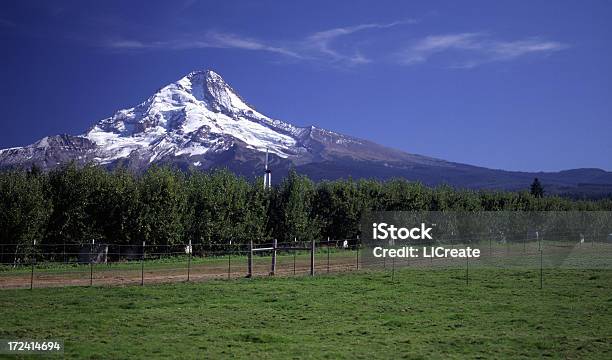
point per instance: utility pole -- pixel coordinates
(267, 182)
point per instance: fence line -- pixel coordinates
(167, 260)
(195, 262)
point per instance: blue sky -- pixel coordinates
(518, 85)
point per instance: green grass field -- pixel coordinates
(421, 314)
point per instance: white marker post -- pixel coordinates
(189, 260)
(328, 254)
(294, 253)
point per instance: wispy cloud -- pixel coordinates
(474, 49)
(234, 41)
(7, 23)
(322, 41)
(209, 39)
(343, 46)
(316, 46)
(127, 44)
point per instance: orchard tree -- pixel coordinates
(292, 213)
(117, 207)
(162, 206)
(75, 194)
(339, 206)
(24, 211)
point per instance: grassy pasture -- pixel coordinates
(422, 313)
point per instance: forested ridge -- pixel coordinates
(75, 205)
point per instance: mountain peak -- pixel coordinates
(206, 72)
(209, 87)
(201, 77)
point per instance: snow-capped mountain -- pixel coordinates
(196, 115)
(193, 121)
(201, 122)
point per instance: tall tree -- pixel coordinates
(536, 188)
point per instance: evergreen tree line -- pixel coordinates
(74, 205)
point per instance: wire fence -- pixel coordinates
(95, 264)
(48, 265)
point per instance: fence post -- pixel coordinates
(541, 267)
(250, 260)
(408, 257)
(294, 253)
(507, 245)
(393, 269)
(467, 270)
(189, 261)
(328, 254)
(229, 261)
(33, 261)
(312, 258)
(142, 265)
(91, 262)
(273, 270)
(357, 247)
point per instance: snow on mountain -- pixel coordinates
(193, 116)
